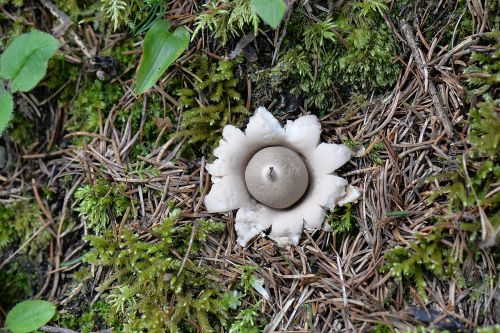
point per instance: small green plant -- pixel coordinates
(18, 280)
(382, 328)
(227, 19)
(161, 49)
(29, 316)
(116, 10)
(22, 65)
(96, 203)
(151, 288)
(425, 256)
(204, 119)
(248, 320)
(341, 220)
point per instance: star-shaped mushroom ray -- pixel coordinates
(264, 130)
(328, 157)
(303, 134)
(227, 193)
(286, 225)
(251, 221)
(324, 194)
(228, 190)
(232, 152)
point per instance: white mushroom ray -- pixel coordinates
(264, 130)
(227, 193)
(303, 134)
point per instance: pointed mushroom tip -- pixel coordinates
(261, 109)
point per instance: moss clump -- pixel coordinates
(18, 278)
(212, 103)
(88, 321)
(249, 319)
(101, 201)
(427, 256)
(227, 19)
(151, 289)
(349, 51)
(18, 222)
(341, 220)
(22, 130)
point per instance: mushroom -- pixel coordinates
(278, 178)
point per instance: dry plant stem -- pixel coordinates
(65, 23)
(64, 19)
(421, 64)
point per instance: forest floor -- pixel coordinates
(101, 190)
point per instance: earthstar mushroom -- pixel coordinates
(278, 178)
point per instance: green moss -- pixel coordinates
(212, 103)
(248, 320)
(351, 51)
(341, 220)
(151, 289)
(17, 280)
(227, 19)
(382, 328)
(88, 321)
(17, 3)
(22, 130)
(18, 221)
(427, 256)
(101, 201)
(97, 97)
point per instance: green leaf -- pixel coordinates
(161, 49)
(24, 62)
(270, 11)
(6, 108)
(28, 316)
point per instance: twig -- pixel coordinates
(441, 113)
(53, 329)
